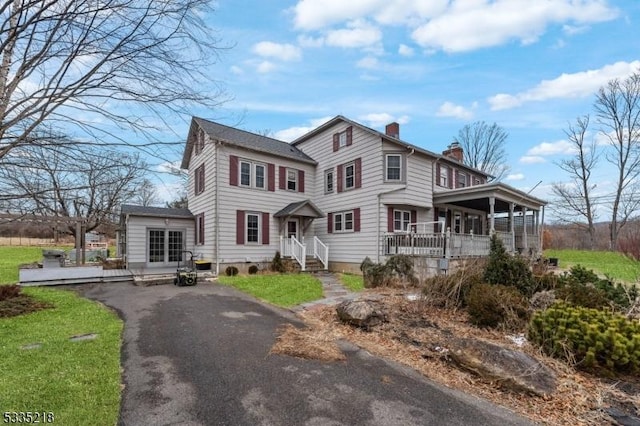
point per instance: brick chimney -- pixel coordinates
(393, 130)
(454, 151)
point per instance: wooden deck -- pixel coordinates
(73, 275)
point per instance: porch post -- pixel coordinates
(512, 228)
(525, 243)
(492, 213)
(536, 229)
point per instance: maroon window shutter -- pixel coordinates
(349, 136)
(282, 184)
(390, 219)
(239, 226)
(265, 228)
(271, 179)
(356, 219)
(358, 172)
(469, 183)
(437, 174)
(436, 216)
(202, 178)
(330, 223)
(450, 178)
(336, 142)
(233, 170)
(414, 216)
(300, 180)
(340, 171)
(201, 229)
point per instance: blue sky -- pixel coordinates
(432, 65)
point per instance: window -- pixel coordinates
(253, 228)
(462, 180)
(175, 246)
(343, 221)
(200, 229)
(252, 175)
(328, 181)
(477, 181)
(393, 167)
(349, 176)
(342, 139)
(292, 180)
(165, 245)
(444, 176)
(199, 179)
(401, 220)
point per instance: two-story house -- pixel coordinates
(340, 193)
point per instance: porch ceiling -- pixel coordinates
(477, 197)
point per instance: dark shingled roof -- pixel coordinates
(294, 207)
(252, 141)
(155, 211)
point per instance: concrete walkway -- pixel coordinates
(333, 290)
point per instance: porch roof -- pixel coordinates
(128, 209)
(300, 208)
(477, 197)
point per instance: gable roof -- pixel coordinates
(293, 208)
(128, 209)
(242, 139)
(392, 139)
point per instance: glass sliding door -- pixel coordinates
(156, 245)
(165, 246)
(175, 246)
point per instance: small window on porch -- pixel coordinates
(401, 220)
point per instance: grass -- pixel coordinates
(13, 256)
(77, 381)
(284, 290)
(352, 282)
(612, 264)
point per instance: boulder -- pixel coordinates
(361, 313)
(513, 370)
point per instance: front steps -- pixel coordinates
(312, 265)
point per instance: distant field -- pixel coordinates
(609, 263)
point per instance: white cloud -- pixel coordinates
(552, 148)
(380, 119)
(531, 159)
(307, 41)
(573, 29)
(515, 176)
(449, 109)
(473, 24)
(368, 62)
(293, 133)
(405, 50)
(358, 34)
(576, 85)
(265, 67)
(169, 167)
(236, 70)
(284, 52)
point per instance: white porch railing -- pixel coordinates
(321, 251)
(428, 244)
(298, 252)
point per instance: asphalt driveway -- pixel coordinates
(200, 356)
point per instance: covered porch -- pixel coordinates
(465, 219)
(296, 241)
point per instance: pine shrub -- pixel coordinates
(502, 268)
(231, 271)
(582, 287)
(596, 340)
(253, 269)
(493, 305)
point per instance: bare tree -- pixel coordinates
(483, 146)
(574, 200)
(617, 107)
(146, 194)
(89, 183)
(85, 65)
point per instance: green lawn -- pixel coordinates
(284, 290)
(352, 282)
(609, 263)
(13, 256)
(78, 381)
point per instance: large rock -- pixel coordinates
(361, 313)
(510, 369)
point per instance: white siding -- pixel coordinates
(137, 229)
(234, 198)
(205, 201)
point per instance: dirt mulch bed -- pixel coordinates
(20, 305)
(415, 336)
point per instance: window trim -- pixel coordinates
(291, 172)
(346, 166)
(327, 181)
(400, 167)
(461, 180)
(258, 228)
(253, 174)
(341, 217)
(444, 176)
(342, 137)
(402, 217)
